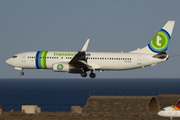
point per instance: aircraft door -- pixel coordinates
(139, 60)
(23, 58)
(175, 115)
(169, 112)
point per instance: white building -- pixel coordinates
(31, 109)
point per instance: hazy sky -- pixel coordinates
(64, 25)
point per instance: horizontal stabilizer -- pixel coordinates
(160, 55)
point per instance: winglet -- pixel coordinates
(84, 48)
(81, 55)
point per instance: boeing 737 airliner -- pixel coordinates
(82, 61)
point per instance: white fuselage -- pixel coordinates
(98, 60)
(169, 112)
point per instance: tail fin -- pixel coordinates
(160, 42)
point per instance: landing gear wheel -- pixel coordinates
(22, 73)
(92, 75)
(83, 74)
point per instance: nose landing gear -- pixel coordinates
(21, 73)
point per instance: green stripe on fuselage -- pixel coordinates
(43, 59)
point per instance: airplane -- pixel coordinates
(83, 61)
(171, 111)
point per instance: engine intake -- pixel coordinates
(61, 67)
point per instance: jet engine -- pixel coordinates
(61, 67)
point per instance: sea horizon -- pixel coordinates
(54, 94)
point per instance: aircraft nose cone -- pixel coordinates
(159, 113)
(8, 61)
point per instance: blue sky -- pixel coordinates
(65, 25)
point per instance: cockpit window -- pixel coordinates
(14, 56)
(163, 109)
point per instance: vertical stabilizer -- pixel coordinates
(161, 40)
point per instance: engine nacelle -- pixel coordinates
(61, 67)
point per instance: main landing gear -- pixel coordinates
(91, 75)
(83, 74)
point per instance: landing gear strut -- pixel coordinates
(92, 75)
(83, 74)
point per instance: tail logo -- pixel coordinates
(160, 42)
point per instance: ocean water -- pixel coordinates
(61, 94)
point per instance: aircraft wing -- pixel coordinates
(80, 57)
